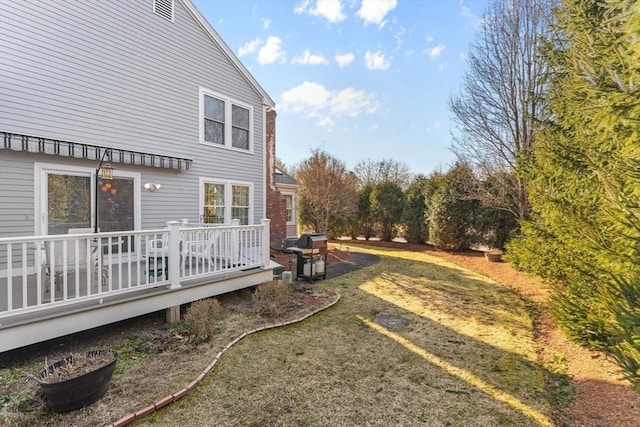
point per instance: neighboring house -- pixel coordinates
(282, 191)
(288, 187)
(151, 89)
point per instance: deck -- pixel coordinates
(56, 285)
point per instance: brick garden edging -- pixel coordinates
(147, 410)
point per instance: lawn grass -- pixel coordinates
(460, 354)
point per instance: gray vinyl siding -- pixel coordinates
(16, 195)
(116, 74)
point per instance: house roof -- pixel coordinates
(284, 179)
(266, 99)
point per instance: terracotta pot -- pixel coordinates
(80, 391)
(493, 256)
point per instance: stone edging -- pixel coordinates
(147, 410)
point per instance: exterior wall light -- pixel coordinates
(152, 186)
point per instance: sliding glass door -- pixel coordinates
(68, 200)
(68, 203)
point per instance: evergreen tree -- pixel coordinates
(387, 204)
(585, 178)
(364, 214)
(452, 209)
(414, 211)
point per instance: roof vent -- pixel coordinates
(164, 8)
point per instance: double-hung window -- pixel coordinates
(289, 208)
(223, 201)
(225, 122)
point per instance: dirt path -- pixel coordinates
(602, 399)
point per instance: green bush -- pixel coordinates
(364, 222)
(451, 210)
(578, 310)
(494, 227)
(387, 204)
(414, 212)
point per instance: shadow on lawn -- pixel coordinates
(469, 327)
(462, 356)
(451, 364)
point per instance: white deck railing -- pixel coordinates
(40, 272)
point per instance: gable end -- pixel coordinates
(164, 8)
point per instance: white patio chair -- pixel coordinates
(157, 253)
(194, 252)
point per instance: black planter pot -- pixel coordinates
(80, 391)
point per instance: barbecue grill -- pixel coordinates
(311, 251)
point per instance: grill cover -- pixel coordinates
(289, 242)
(312, 241)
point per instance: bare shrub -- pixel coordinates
(272, 298)
(201, 318)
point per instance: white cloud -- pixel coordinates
(465, 12)
(376, 61)
(351, 102)
(307, 58)
(314, 100)
(463, 55)
(249, 47)
(429, 39)
(331, 10)
(326, 122)
(435, 51)
(271, 51)
(344, 59)
(374, 11)
(399, 36)
(266, 23)
(309, 97)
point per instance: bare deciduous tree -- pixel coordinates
(500, 98)
(378, 171)
(328, 192)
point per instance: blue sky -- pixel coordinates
(360, 79)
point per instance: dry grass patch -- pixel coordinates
(464, 356)
(155, 359)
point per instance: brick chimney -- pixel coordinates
(276, 210)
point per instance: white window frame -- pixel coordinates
(228, 197)
(40, 191)
(294, 202)
(228, 121)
